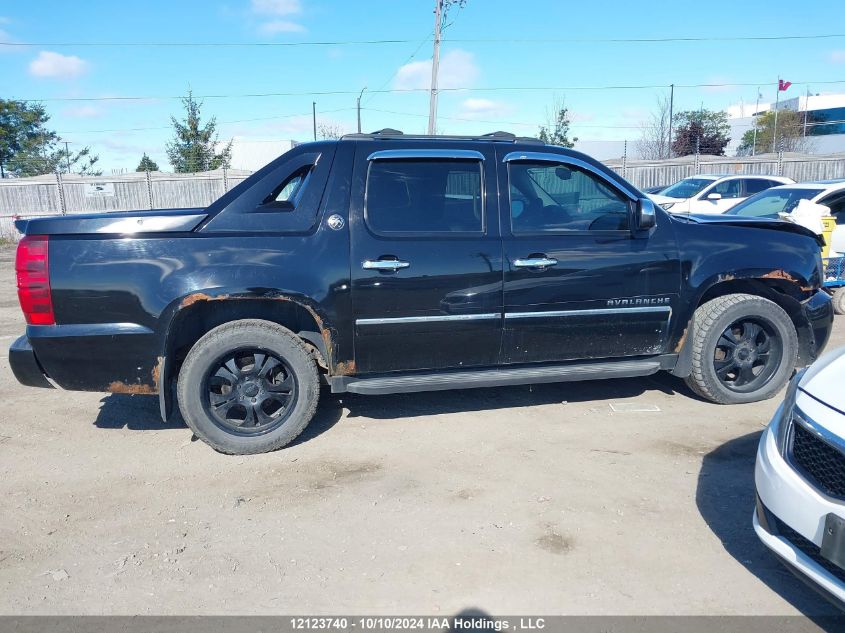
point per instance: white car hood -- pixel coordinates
(825, 379)
(660, 199)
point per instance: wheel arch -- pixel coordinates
(778, 287)
(194, 315)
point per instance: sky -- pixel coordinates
(505, 63)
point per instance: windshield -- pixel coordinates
(767, 204)
(686, 188)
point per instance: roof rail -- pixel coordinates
(499, 136)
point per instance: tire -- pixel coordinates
(839, 301)
(248, 387)
(720, 372)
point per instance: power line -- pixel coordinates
(377, 42)
(168, 127)
(413, 90)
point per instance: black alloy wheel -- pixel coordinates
(747, 355)
(250, 391)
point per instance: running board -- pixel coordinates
(497, 377)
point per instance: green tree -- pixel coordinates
(147, 164)
(707, 129)
(29, 148)
(790, 134)
(556, 129)
(194, 145)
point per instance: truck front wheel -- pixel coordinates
(744, 349)
(248, 387)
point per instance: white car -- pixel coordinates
(712, 193)
(800, 477)
(776, 201)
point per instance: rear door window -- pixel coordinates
(422, 196)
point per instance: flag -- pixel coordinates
(783, 86)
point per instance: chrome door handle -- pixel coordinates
(384, 264)
(535, 262)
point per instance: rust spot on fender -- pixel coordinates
(325, 332)
(198, 296)
(122, 387)
(345, 368)
(683, 340)
(157, 373)
(780, 274)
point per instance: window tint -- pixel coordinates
(291, 189)
(424, 196)
(686, 188)
(756, 185)
(550, 197)
(728, 188)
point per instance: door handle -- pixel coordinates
(384, 264)
(535, 262)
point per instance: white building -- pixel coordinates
(253, 153)
(825, 120)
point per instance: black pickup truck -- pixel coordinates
(384, 263)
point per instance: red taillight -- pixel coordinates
(33, 271)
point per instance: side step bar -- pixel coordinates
(497, 377)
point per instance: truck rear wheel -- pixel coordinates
(744, 349)
(248, 387)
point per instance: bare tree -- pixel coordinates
(556, 131)
(327, 131)
(654, 141)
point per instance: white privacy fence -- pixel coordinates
(799, 167)
(53, 194)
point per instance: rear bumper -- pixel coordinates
(25, 365)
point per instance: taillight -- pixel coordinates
(33, 272)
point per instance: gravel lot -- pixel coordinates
(523, 500)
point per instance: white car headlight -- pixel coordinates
(667, 205)
(787, 412)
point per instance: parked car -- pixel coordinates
(800, 477)
(712, 193)
(386, 263)
(783, 199)
(655, 189)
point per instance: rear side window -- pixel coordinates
(289, 192)
(756, 185)
(424, 196)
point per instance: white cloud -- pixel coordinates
(49, 64)
(83, 112)
(476, 108)
(457, 70)
(275, 27)
(837, 57)
(276, 7)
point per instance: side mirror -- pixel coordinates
(714, 196)
(646, 216)
(563, 173)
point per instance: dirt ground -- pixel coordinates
(550, 499)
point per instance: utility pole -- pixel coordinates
(314, 117)
(775, 132)
(754, 123)
(67, 157)
(671, 113)
(435, 64)
(359, 108)
(806, 111)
